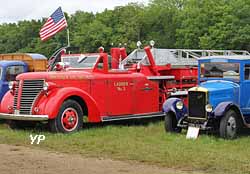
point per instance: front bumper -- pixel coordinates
(23, 117)
(202, 124)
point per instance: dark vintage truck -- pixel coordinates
(13, 64)
(221, 101)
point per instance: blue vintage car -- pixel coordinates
(8, 72)
(221, 101)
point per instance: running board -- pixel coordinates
(136, 116)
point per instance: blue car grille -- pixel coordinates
(196, 104)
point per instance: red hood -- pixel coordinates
(63, 75)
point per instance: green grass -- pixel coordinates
(145, 143)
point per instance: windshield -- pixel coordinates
(80, 61)
(220, 70)
(13, 71)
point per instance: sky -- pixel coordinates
(16, 10)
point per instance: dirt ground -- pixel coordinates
(23, 160)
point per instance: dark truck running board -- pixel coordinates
(136, 116)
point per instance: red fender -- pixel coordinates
(50, 105)
(7, 103)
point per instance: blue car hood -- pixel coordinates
(221, 91)
(219, 86)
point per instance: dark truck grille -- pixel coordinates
(196, 104)
(30, 90)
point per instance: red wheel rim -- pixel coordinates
(69, 119)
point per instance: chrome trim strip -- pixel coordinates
(135, 116)
(23, 117)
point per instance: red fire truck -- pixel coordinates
(100, 87)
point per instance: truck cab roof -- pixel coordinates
(5, 63)
(225, 58)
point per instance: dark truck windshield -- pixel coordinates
(220, 70)
(80, 61)
(13, 71)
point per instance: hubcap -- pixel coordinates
(69, 119)
(231, 126)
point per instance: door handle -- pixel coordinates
(147, 89)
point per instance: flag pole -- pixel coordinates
(68, 37)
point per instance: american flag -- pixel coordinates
(54, 24)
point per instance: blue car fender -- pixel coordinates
(221, 108)
(170, 105)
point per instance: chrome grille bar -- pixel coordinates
(15, 96)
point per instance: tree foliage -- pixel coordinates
(199, 24)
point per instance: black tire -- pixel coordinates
(230, 125)
(170, 123)
(16, 124)
(69, 118)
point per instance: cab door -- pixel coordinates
(146, 96)
(244, 93)
(120, 95)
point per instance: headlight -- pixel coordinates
(209, 108)
(11, 85)
(45, 86)
(179, 105)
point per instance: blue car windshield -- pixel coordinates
(220, 70)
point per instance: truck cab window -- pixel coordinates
(247, 71)
(13, 71)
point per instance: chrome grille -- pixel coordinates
(16, 95)
(30, 90)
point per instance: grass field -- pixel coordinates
(145, 142)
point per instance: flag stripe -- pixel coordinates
(47, 25)
(54, 24)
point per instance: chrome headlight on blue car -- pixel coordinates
(179, 105)
(209, 108)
